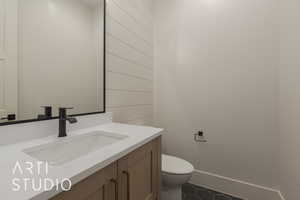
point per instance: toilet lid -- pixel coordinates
(174, 165)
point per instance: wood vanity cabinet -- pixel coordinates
(136, 176)
(139, 173)
(100, 186)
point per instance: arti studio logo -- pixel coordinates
(36, 178)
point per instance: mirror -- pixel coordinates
(51, 54)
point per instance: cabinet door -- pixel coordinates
(100, 186)
(139, 173)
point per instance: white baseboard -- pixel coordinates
(236, 188)
(281, 196)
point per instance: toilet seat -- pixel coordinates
(174, 165)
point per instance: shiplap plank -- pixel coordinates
(127, 98)
(123, 82)
(134, 115)
(117, 64)
(117, 30)
(138, 10)
(142, 121)
(119, 15)
(116, 47)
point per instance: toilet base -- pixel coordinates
(173, 193)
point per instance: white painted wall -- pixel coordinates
(130, 60)
(2, 59)
(8, 58)
(216, 70)
(59, 56)
(290, 99)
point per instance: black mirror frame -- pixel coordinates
(104, 83)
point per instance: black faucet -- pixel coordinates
(63, 118)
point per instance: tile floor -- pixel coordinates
(193, 192)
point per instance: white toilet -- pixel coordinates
(175, 173)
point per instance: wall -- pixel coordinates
(216, 71)
(289, 99)
(130, 60)
(8, 58)
(2, 59)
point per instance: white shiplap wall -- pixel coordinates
(130, 61)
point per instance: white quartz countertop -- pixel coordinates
(75, 170)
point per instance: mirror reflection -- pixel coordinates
(51, 56)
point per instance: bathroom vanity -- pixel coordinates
(103, 160)
(53, 109)
(135, 176)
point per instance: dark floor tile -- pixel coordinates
(193, 192)
(204, 194)
(222, 197)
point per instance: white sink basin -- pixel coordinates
(72, 147)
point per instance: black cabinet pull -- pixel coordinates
(115, 182)
(128, 184)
